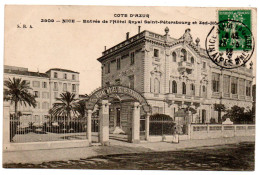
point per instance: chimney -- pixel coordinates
(139, 29)
(127, 35)
(105, 48)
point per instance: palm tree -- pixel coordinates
(64, 106)
(17, 91)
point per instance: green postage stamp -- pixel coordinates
(230, 43)
(237, 30)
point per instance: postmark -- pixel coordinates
(230, 44)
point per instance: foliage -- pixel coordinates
(220, 108)
(80, 107)
(239, 116)
(64, 106)
(17, 91)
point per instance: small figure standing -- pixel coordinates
(175, 135)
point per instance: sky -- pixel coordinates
(76, 46)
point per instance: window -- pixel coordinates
(226, 87)
(118, 64)
(215, 82)
(56, 86)
(192, 60)
(242, 88)
(36, 94)
(234, 85)
(64, 87)
(73, 88)
(44, 84)
(38, 105)
(107, 68)
(156, 86)
(73, 77)
(131, 82)
(173, 56)
(156, 53)
(117, 81)
(55, 75)
(204, 65)
(55, 94)
(174, 87)
(248, 88)
(184, 55)
(203, 89)
(183, 88)
(132, 57)
(45, 105)
(192, 88)
(45, 95)
(65, 76)
(36, 84)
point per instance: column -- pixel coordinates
(89, 126)
(104, 123)
(147, 126)
(136, 123)
(6, 125)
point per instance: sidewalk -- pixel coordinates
(116, 147)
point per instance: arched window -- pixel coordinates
(184, 55)
(192, 60)
(183, 88)
(156, 86)
(174, 87)
(173, 56)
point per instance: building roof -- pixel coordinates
(164, 40)
(62, 70)
(28, 73)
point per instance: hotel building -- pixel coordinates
(46, 87)
(173, 74)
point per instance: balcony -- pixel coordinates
(185, 66)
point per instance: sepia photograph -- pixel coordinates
(129, 87)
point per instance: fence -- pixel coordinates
(30, 130)
(217, 131)
(161, 125)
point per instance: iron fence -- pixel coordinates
(27, 129)
(161, 124)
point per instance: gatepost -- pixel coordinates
(104, 123)
(89, 126)
(136, 123)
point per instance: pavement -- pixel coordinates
(116, 147)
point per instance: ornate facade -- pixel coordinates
(175, 73)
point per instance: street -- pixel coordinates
(238, 157)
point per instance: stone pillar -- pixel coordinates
(89, 126)
(104, 123)
(6, 125)
(136, 123)
(147, 126)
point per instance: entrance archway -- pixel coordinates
(101, 96)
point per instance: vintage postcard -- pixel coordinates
(132, 88)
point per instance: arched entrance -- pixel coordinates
(102, 96)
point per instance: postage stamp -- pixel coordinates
(230, 44)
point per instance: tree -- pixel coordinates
(239, 116)
(17, 91)
(64, 106)
(80, 107)
(220, 108)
